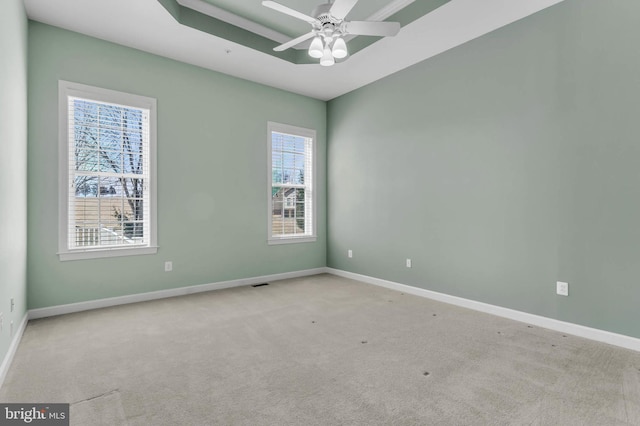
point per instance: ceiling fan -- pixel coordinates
(329, 27)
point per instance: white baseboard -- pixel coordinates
(162, 294)
(13, 347)
(603, 336)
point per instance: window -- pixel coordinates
(107, 203)
(291, 177)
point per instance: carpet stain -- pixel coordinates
(426, 373)
(363, 342)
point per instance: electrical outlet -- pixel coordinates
(168, 266)
(350, 253)
(562, 288)
(12, 304)
(408, 263)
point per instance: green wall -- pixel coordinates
(212, 172)
(13, 167)
(501, 167)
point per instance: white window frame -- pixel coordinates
(68, 89)
(310, 187)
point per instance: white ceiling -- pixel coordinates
(146, 25)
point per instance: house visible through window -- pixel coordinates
(291, 191)
(107, 185)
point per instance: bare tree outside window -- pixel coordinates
(107, 159)
(109, 171)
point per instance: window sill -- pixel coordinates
(291, 240)
(100, 253)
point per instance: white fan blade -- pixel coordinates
(294, 42)
(288, 11)
(341, 8)
(371, 28)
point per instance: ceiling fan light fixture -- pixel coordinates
(329, 26)
(327, 58)
(316, 48)
(339, 50)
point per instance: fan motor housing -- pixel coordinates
(321, 13)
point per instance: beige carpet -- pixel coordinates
(320, 350)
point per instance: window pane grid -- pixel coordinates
(291, 185)
(108, 158)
